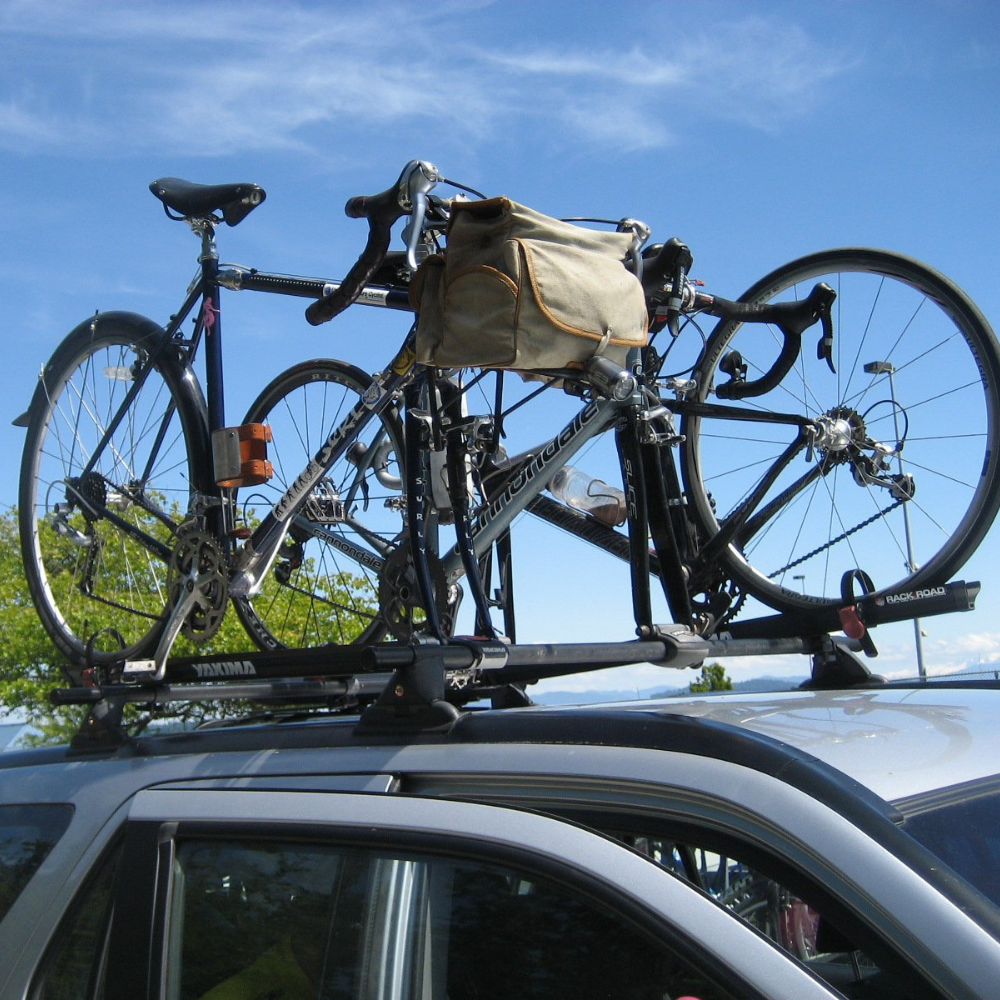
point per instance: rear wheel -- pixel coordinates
(901, 477)
(323, 587)
(103, 489)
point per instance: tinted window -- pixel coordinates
(797, 925)
(27, 834)
(964, 831)
(73, 966)
(308, 921)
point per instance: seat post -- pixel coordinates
(211, 322)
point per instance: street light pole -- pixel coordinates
(887, 368)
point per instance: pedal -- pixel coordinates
(324, 505)
(135, 671)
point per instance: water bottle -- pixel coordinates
(592, 496)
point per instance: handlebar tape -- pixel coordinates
(381, 211)
(792, 318)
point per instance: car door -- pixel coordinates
(225, 894)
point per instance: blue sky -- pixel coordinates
(755, 131)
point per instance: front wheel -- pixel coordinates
(323, 586)
(897, 473)
(116, 427)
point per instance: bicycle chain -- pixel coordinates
(836, 541)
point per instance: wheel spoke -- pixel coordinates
(906, 441)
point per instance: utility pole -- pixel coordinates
(887, 368)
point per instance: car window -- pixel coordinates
(73, 965)
(310, 921)
(962, 827)
(802, 928)
(27, 835)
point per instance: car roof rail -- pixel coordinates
(418, 687)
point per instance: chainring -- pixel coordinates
(400, 604)
(197, 563)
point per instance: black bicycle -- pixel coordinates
(771, 468)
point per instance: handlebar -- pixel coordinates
(792, 318)
(407, 196)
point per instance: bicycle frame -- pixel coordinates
(257, 552)
(498, 513)
(165, 479)
(252, 559)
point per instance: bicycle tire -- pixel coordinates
(822, 520)
(101, 592)
(314, 592)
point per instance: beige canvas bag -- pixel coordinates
(517, 289)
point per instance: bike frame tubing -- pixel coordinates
(258, 552)
(138, 383)
(596, 417)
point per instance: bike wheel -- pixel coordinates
(99, 501)
(323, 587)
(902, 481)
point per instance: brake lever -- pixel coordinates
(423, 176)
(824, 349)
(640, 233)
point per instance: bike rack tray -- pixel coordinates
(421, 686)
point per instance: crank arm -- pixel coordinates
(155, 669)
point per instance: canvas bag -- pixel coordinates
(517, 289)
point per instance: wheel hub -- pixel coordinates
(841, 433)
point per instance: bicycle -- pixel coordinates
(142, 514)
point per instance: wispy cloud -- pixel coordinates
(22, 122)
(209, 77)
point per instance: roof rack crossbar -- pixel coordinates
(420, 685)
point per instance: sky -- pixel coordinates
(755, 131)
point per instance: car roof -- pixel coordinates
(896, 741)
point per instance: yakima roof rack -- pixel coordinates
(424, 685)
(417, 687)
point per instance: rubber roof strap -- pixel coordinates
(850, 615)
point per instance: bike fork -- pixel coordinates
(652, 494)
(418, 441)
(634, 481)
(434, 420)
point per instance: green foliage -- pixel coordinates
(26, 653)
(30, 665)
(713, 678)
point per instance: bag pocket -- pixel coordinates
(469, 318)
(480, 317)
(575, 303)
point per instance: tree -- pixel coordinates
(713, 678)
(29, 663)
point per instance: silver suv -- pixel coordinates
(798, 845)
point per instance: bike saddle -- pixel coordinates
(192, 201)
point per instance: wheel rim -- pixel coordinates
(931, 382)
(324, 585)
(100, 591)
